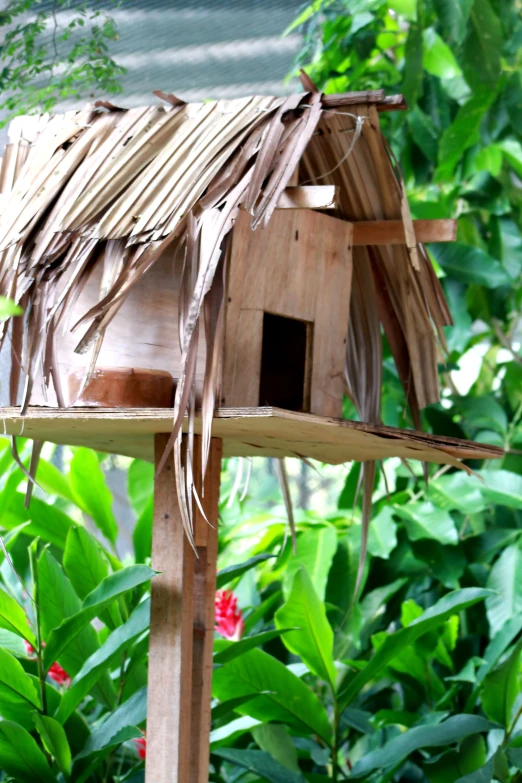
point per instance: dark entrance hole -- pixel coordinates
(286, 363)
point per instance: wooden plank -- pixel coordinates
(206, 538)
(377, 97)
(265, 431)
(391, 232)
(309, 197)
(332, 312)
(170, 651)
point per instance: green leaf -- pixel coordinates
(382, 535)
(483, 411)
(438, 58)
(482, 775)
(261, 764)
(489, 159)
(505, 580)
(100, 660)
(55, 741)
(275, 739)
(315, 550)
(142, 533)
(424, 520)
(502, 488)
(512, 151)
(83, 561)
(14, 678)
(406, 8)
(398, 749)
(14, 619)
(454, 15)
(111, 588)
(462, 134)
(457, 491)
(21, 757)
(450, 604)
(91, 491)
(412, 80)
(500, 688)
(45, 521)
(424, 133)
(227, 575)
(86, 566)
(226, 651)
(140, 484)
(131, 713)
(53, 481)
(8, 308)
(57, 601)
(286, 699)
(452, 765)
(483, 47)
(13, 644)
(469, 264)
(314, 641)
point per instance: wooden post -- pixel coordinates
(181, 631)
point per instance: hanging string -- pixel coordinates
(359, 122)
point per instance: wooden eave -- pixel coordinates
(263, 432)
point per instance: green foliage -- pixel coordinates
(419, 679)
(53, 52)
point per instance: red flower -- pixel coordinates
(141, 745)
(56, 672)
(59, 675)
(229, 620)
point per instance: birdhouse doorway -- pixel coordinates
(286, 363)
(287, 311)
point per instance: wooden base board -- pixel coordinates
(264, 432)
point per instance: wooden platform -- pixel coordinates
(265, 432)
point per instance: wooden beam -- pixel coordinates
(378, 98)
(182, 626)
(206, 538)
(309, 197)
(170, 648)
(391, 232)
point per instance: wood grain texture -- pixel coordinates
(206, 538)
(391, 232)
(309, 197)
(170, 651)
(266, 431)
(299, 266)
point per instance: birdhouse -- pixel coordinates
(211, 279)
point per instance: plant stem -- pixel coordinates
(509, 732)
(335, 746)
(110, 760)
(39, 644)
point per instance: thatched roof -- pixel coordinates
(111, 187)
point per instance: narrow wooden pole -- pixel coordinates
(206, 537)
(181, 633)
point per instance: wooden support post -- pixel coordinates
(206, 538)
(181, 631)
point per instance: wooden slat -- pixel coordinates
(376, 97)
(170, 656)
(309, 197)
(266, 431)
(206, 538)
(391, 232)
(279, 270)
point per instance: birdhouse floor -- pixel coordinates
(264, 432)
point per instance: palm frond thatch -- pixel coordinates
(112, 189)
